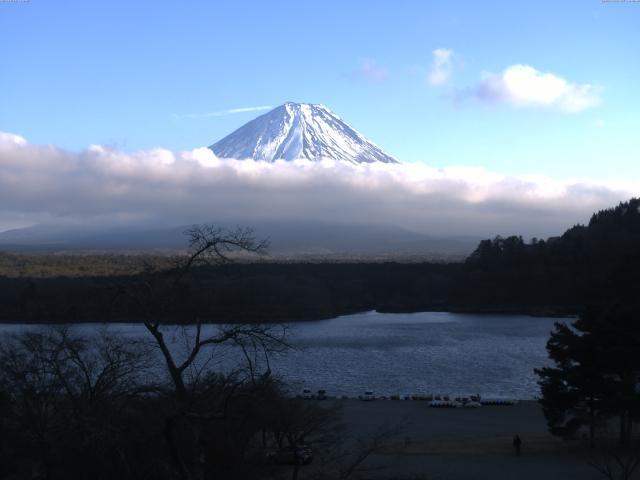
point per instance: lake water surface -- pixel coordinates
(427, 352)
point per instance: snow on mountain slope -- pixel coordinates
(299, 130)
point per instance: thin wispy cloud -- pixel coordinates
(370, 71)
(441, 67)
(42, 183)
(224, 113)
(524, 86)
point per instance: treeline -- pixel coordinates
(235, 293)
(587, 264)
(593, 264)
(51, 265)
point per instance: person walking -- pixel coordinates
(517, 443)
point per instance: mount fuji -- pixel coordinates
(300, 131)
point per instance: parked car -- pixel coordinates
(306, 393)
(368, 396)
(322, 395)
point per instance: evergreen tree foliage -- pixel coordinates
(596, 371)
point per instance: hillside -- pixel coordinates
(594, 263)
(597, 262)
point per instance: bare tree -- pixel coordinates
(617, 464)
(65, 389)
(208, 246)
(294, 423)
(33, 400)
(346, 457)
(94, 370)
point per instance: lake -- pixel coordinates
(428, 352)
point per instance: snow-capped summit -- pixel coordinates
(299, 130)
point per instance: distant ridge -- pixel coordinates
(288, 238)
(300, 130)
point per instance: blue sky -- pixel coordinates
(127, 74)
(511, 117)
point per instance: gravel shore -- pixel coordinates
(466, 444)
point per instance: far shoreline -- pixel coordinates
(527, 312)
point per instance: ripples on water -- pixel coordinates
(428, 352)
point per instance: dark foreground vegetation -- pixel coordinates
(596, 376)
(105, 407)
(587, 264)
(75, 407)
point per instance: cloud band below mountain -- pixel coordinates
(99, 185)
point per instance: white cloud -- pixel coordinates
(223, 113)
(44, 183)
(9, 139)
(441, 66)
(524, 86)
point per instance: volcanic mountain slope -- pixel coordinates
(299, 131)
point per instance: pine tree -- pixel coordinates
(595, 373)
